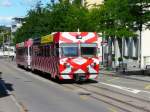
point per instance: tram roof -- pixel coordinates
(67, 37)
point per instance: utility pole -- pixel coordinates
(2, 33)
(3, 40)
(140, 36)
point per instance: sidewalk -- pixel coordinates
(144, 78)
(6, 101)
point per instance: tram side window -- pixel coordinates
(47, 50)
(35, 50)
(52, 50)
(26, 51)
(57, 50)
(44, 51)
(30, 51)
(20, 51)
(42, 47)
(40, 51)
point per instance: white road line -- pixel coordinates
(13, 98)
(135, 91)
(132, 90)
(146, 91)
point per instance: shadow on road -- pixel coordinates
(4, 86)
(47, 76)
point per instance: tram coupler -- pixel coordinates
(79, 77)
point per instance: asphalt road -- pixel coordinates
(36, 94)
(126, 85)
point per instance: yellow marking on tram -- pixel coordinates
(147, 86)
(46, 39)
(112, 110)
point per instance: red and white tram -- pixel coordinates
(65, 55)
(23, 54)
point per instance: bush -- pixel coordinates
(135, 58)
(113, 59)
(120, 59)
(126, 57)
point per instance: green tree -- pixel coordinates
(68, 17)
(5, 33)
(77, 2)
(62, 16)
(113, 18)
(34, 24)
(140, 10)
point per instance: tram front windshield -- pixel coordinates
(88, 50)
(74, 50)
(70, 50)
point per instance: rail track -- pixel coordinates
(122, 101)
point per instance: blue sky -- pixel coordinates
(15, 8)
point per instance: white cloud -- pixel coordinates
(6, 3)
(5, 20)
(29, 2)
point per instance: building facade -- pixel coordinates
(133, 51)
(16, 23)
(91, 3)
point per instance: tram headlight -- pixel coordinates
(93, 64)
(66, 65)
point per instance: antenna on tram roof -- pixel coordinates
(78, 31)
(78, 34)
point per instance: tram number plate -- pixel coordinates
(81, 75)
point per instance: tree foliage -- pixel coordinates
(119, 18)
(62, 16)
(113, 18)
(140, 10)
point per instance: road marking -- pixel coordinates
(132, 90)
(66, 89)
(116, 78)
(145, 91)
(135, 91)
(83, 97)
(147, 86)
(112, 110)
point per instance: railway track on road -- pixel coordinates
(122, 101)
